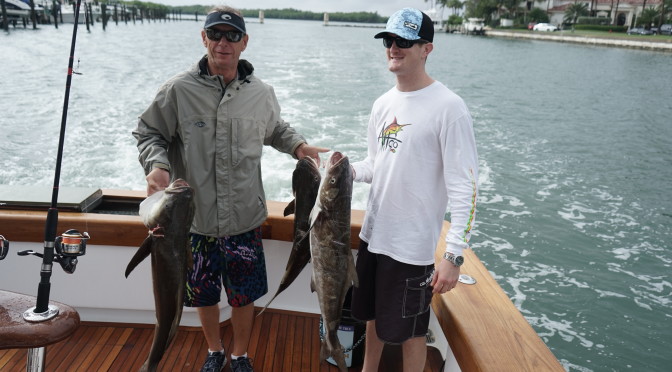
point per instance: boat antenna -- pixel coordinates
(42, 310)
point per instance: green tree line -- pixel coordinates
(287, 13)
(290, 13)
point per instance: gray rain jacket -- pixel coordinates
(212, 136)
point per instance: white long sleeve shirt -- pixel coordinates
(421, 159)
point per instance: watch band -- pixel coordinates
(455, 260)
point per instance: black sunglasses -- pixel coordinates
(230, 36)
(401, 43)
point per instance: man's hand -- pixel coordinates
(157, 180)
(445, 277)
(305, 149)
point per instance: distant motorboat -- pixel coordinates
(67, 13)
(474, 26)
(17, 9)
(436, 17)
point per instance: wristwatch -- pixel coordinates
(455, 260)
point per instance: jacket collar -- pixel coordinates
(245, 68)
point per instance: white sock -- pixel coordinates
(212, 352)
(233, 357)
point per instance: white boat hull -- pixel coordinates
(99, 291)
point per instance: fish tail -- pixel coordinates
(147, 368)
(324, 350)
(269, 302)
(331, 347)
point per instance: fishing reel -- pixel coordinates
(70, 245)
(4, 247)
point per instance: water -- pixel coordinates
(575, 146)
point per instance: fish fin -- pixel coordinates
(190, 258)
(290, 208)
(143, 252)
(352, 272)
(269, 302)
(315, 214)
(306, 235)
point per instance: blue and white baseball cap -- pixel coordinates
(409, 24)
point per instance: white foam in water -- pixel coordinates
(573, 217)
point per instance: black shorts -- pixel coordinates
(395, 294)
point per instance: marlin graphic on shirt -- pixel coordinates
(388, 136)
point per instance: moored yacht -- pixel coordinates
(16, 9)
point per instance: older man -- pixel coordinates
(208, 125)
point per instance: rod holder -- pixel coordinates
(31, 316)
(4, 247)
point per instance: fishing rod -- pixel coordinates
(71, 244)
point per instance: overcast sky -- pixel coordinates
(383, 7)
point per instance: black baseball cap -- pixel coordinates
(225, 18)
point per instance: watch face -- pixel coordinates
(459, 260)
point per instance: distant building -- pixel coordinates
(623, 15)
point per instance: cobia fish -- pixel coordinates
(305, 184)
(333, 264)
(169, 221)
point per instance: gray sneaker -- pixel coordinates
(215, 362)
(241, 364)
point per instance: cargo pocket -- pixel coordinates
(247, 142)
(417, 296)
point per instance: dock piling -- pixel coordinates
(55, 6)
(103, 9)
(33, 14)
(86, 18)
(5, 21)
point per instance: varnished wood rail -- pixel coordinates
(483, 327)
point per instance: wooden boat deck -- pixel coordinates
(281, 341)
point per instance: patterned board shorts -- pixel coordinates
(237, 261)
(395, 294)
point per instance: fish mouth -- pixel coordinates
(311, 161)
(308, 165)
(335, 159)
(179, 185)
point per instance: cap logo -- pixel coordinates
(226, 17)
(410, 25)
